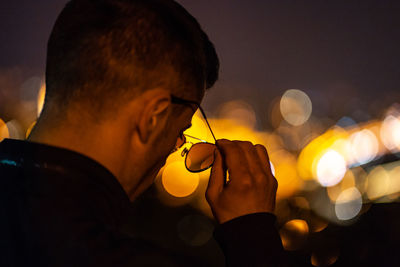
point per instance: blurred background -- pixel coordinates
(316, 82)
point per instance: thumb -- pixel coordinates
(217, 177)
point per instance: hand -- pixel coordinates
(251, 187)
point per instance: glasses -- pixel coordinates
(200, 156)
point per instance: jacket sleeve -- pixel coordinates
(251, 240)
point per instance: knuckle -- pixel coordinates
(246, 144)
(226, 145)
(260, 147)
(260, 177)
(246, 182)
(223, 142)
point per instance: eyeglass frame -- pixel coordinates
(178, 100)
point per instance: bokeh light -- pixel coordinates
(348, 181)
(29, 130)
(296, 107)
(310, 156)
(394, 188)
(239, 111)
(378, 183)
(364, 146)
(195, 230)
(30, 88)
(324, 256)
(390, 133)
(348, 204)
(285, 173)
(15, 130)
(40, 98)
(293, 234)
(3, 130)
(331, 168)
(177, 181)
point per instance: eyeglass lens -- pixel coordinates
(200, 157)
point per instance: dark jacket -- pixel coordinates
(60, 208)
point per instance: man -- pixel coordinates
(107, 127)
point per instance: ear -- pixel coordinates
(155, 106)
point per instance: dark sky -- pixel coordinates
(344, 54)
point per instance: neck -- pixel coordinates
(101, 143)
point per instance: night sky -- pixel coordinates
(344, 54)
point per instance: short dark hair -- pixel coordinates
(102, 49)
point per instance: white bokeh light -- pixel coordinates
(364, 146)
(296, 107)
(331, 168)
(390, 133)
(348, 204)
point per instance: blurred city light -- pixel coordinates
(15, 130)
(286, 174)
(348, 204)
(239, 111)
(179, 182)
(324, 256)
(29, 130)
(30, 88)
(40, 98)
(394, 182)
(296, 107)
(346, 122)
(364, 146)
(348, 181)
(378, 184)
(293, 234)
(310, 156)
(390, 133)
(3, 130)
(331, 168)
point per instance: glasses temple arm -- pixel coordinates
(187, 135)
(209, 127)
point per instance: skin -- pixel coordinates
(251, 187)
(149, 128)
(136, 151)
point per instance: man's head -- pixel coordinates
(102, 52)
(113, 65)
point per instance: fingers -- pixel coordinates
(233, 157)
(252, 187)
(217, 177)
(263, 155)
(255, 163)
(244, 160)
